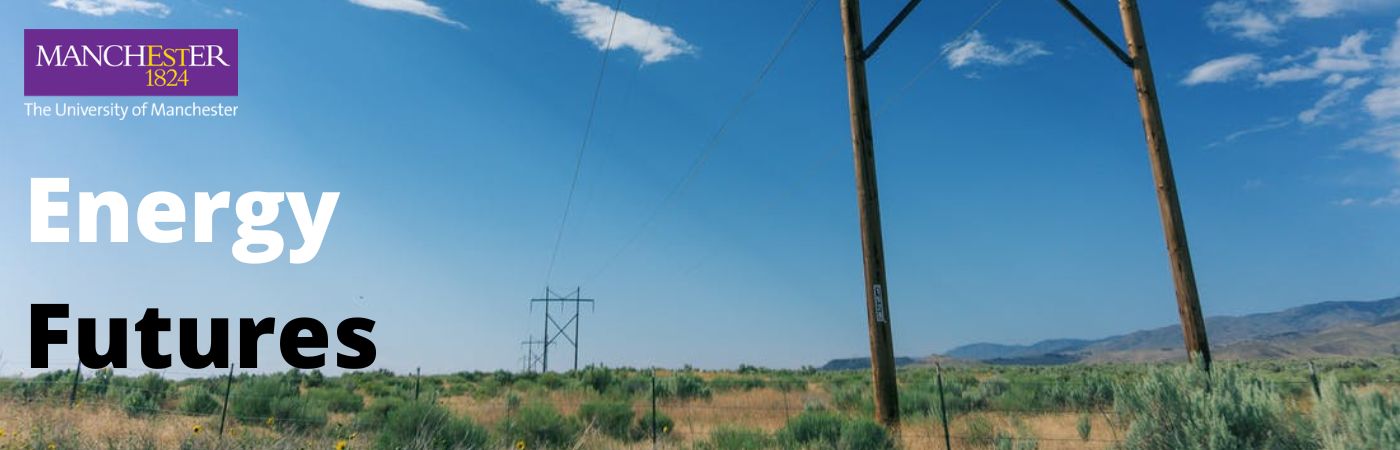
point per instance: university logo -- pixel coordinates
(187, 62)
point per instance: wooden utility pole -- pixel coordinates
(872, 243)
(1188, 301)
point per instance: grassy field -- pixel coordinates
(1268, 404)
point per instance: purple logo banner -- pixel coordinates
(115, 62)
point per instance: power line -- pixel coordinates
(587, 130)
(879, 112)
(713, 142)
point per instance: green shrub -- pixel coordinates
(540, 426)
(276, 401)
(980, 432)
(144, 395)
(136, 403)
(600, 379)
(336, 399)
(1182, 408)
(426, 426)
(735, 438)
(688, 386)
(811, 428)
(610, 417)
(1348, 420)
(664, 425)
(1084, 426)
(198, 401)
(377, 414)
(865, 434)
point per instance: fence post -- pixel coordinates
(228, 389)
(417, 382)
(943, 408)
(73, 393)
(1312, 377)
(653, 408)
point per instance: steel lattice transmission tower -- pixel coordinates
(553, 330)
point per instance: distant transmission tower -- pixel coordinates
(531, 360)
(553, 330)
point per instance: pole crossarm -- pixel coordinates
(1098, 33)
(889, 29)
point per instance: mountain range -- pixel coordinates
(1365, 328)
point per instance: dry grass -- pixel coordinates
(765, 409)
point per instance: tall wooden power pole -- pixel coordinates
(1188, 301)
(872, 243)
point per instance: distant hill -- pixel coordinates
(862, 363)
(1321, 329)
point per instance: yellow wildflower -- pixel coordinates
(52, 446)
(666, 429)
(2, 432)
(197, 429)
(271, 421)
(341, 445)
(520, 444)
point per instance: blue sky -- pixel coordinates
(1018, 202)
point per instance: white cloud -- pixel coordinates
(415, 7)
(1263, 20)
(1391, 199)
(1340, 93)
(1348, 56)
(1222, 69)
(110, 7)
(1243, 21)
(1384, 103)
(1383, 139)
(594, 23)
(974, 49)
(1314, 9)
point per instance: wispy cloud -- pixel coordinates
(1263, 20)
(1384, 103)
(415, 7)
(1271, 125)
(1340, 92)
(1314, 9)
(594, 22)
(110, 7)
(1348, 56)
(1389, 199)
(1222, 69)
(974, 50)
(1243, 21)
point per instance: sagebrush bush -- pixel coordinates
(1183, 408)
(198, 401)
(811, 428)
(539, 425)
(337, 399)
(979, 432)
(736, 438)
(144, 395)
(1348, 420)
(414, 425)
(610, 417)
(664, 425)
(1084, 426)
(276, 401)
(864, 434)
